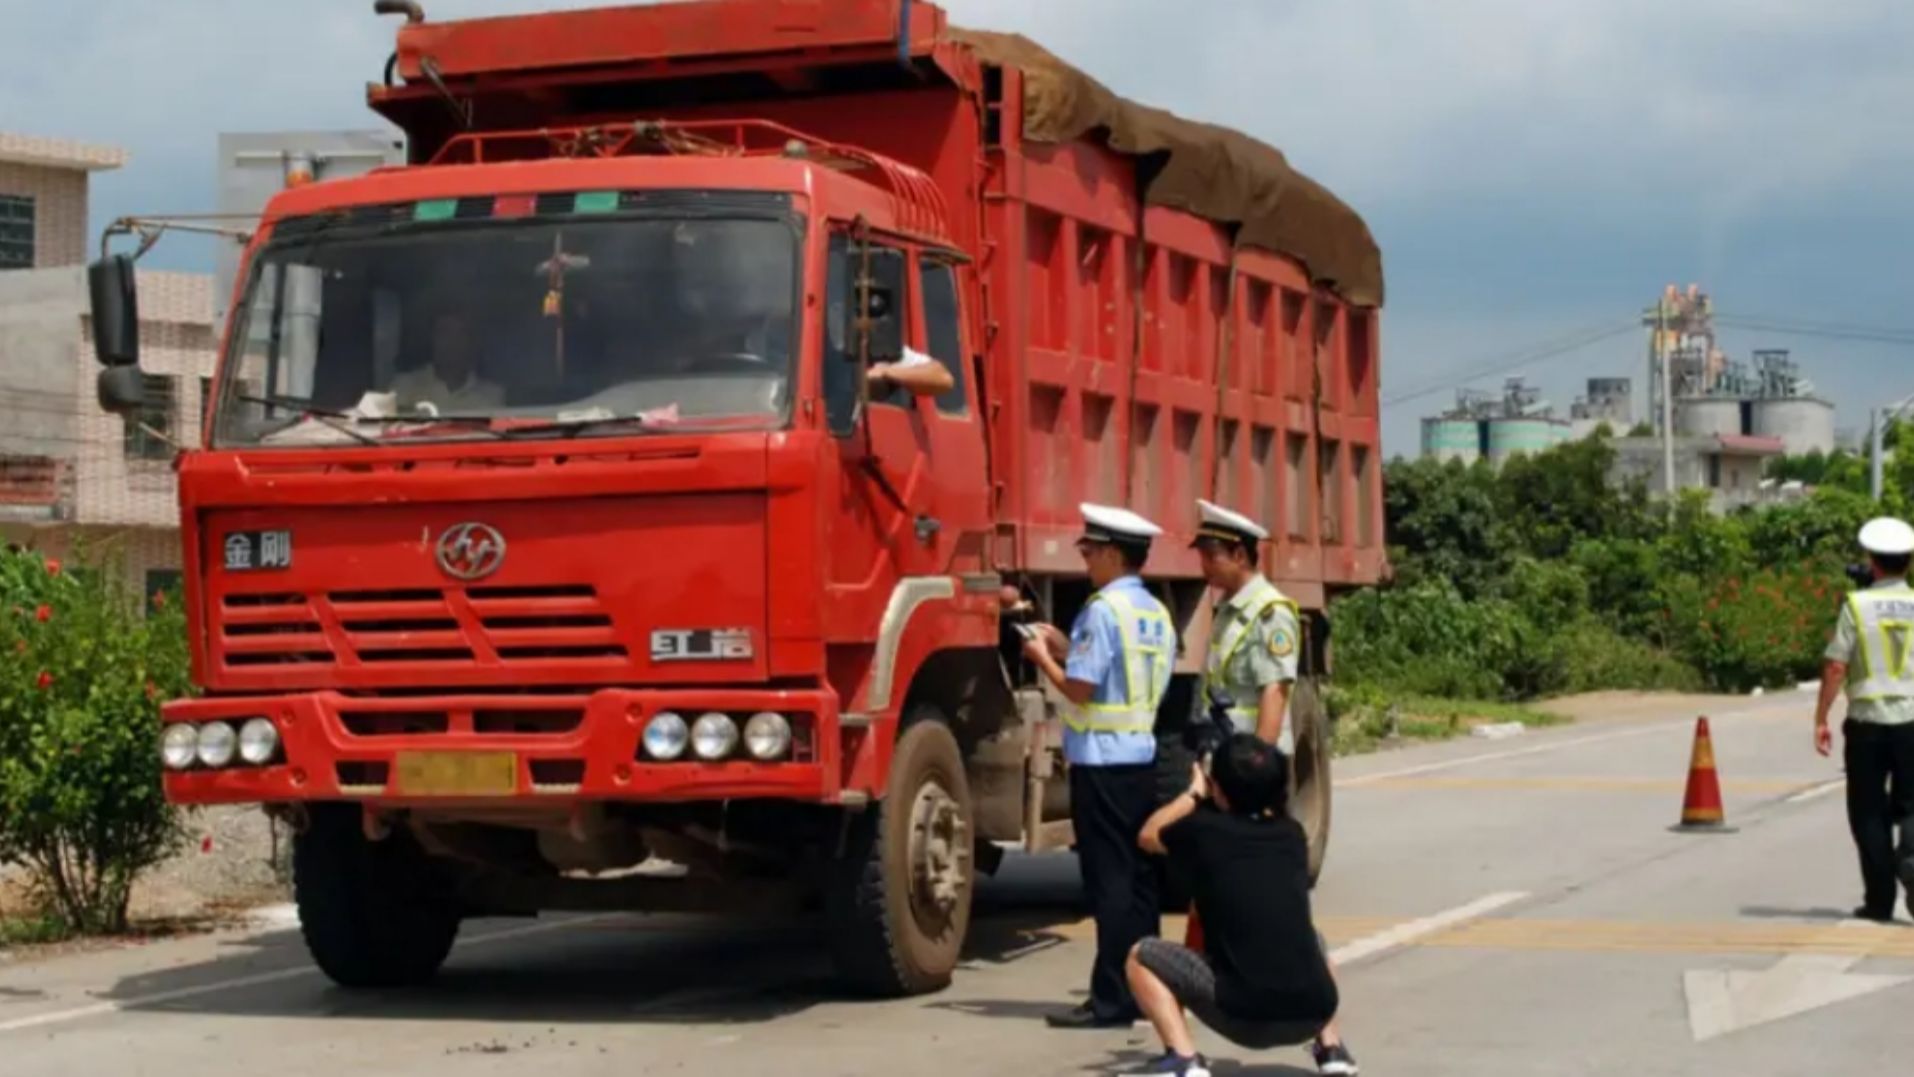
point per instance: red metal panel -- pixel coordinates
(632, 39)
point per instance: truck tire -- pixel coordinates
(1310, 787)
(898, 899)
(374, 914)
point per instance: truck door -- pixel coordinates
(962, 486)
(885, 527)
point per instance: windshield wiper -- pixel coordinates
(571, 428)
(327, 417)
(338, 420)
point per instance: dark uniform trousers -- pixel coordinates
(1108, 806)
(1880, 766)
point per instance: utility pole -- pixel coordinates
(1667, 402)
(1877, 419)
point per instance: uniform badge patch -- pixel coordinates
(1281, 643)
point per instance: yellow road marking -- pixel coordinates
(1592, 784)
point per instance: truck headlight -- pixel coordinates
(666, 736)
(218, 743)
(767, 736)
(179, 746)
(258, 741)
(713, 736)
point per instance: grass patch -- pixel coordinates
(32, 930)
(1367, 718)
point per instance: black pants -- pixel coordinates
(1880, 766)
(1109, 806)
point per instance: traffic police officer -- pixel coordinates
(1121, 651)
(1255, 633)
(1870, 656)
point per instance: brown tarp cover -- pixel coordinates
(1216, 173)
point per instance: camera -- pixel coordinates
(1209, 730)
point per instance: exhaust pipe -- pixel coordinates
(409, 8)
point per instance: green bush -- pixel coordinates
(82, 672)
(1544, 579)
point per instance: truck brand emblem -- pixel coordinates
(471, 551)
(250, 551)
(701, 645)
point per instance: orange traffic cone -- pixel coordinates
(1701, 805)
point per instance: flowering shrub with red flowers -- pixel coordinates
(1765, 629)
(84, 666)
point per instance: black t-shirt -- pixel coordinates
(1251, 881)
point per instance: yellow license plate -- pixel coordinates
(457, 774)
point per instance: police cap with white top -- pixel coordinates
(1106, 523)
(1888, 537)
(1220, 523)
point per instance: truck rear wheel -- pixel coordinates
(898, 900)
(1310, 789)
(374, 914)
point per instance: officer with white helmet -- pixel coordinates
(1121, 651)
(1870, 656)
(1255, 633)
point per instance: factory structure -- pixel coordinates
(1730, 418)
(1715, 395)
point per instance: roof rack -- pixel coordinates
(920, 206)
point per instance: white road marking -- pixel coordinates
(1406, 933)
(1720, 1002)
(1816, 792)
(1513, 753)
(161, 998)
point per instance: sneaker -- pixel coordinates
(1334, 1061)
(1172, 1064)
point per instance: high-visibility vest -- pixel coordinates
(1884, 633)
(1147, 640)
(1244, 712)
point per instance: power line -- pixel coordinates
(1871, 336)
(1535, 353)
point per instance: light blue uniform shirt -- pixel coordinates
(1096, 658)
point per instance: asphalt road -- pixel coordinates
(1508, 907)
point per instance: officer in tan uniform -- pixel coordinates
(1255, 634)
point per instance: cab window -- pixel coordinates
(938, 285)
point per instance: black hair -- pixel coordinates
(1894, 564)
(1133, 555)
(1252, 775)
(1249, 550)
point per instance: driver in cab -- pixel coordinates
(450, 384)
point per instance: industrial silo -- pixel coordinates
(1452, 438)
(1708, 417)
(1804, 424)
(1508, 437)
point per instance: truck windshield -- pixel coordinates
(462, 329)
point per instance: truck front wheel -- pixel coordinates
(374, 914)
(1309, 769)
(898, 898)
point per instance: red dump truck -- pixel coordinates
(548, 549)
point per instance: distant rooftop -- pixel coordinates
(58, 153)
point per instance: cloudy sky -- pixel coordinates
(1531, 169)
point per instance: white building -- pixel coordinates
(72, 475)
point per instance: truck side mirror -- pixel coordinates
(121, 389)
(116, 312)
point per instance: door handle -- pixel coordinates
(927, 528)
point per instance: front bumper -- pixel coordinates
(566, 747)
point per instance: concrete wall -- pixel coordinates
(59, 210)
(39, 338)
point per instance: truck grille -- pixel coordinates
(487, 626)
